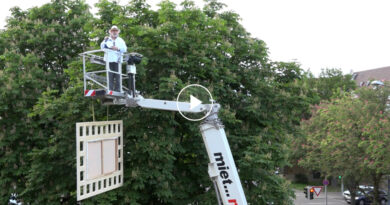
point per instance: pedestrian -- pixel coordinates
(115, 46)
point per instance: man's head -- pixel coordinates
(114, 32)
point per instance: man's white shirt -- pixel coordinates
(111, 55)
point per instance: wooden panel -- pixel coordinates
(91, 180)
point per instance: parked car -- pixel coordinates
(365, 188)
(365, 197)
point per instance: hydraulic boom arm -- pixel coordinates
(222, 169)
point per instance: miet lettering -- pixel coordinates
(223, 172)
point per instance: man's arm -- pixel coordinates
(122, 46)
(103, 43)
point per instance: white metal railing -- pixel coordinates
(94, 76)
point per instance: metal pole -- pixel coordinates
(85, 80)
(120, 72)
(107, 71)
(342, 186)
(131, 71)
(133, 84)
(326, 194)
(129, 84)
(217, 193)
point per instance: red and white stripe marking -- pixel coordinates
(90, 93)
(110, 92)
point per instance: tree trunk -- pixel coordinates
(352, 185)
(353, 195)
(376, 178)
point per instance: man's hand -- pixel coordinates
(115, 48)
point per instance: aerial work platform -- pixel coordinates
(96, 74)
(221, 169)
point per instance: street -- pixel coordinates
(334, 198)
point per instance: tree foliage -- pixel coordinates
(165, 159)
(330, 83)
(347, 137)
(38, 45)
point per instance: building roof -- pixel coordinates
(381, 74)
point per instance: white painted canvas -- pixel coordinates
(94, 159)
(109, 156)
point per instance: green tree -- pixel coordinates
(38, 45)
(346, 137)
(376, 133)
(329, 139)
(331, 82)
(165, 159)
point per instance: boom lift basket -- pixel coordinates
(96, 74)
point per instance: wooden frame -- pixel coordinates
(99, 153)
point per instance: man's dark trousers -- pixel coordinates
(113, 77)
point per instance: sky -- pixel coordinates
(352, 35)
